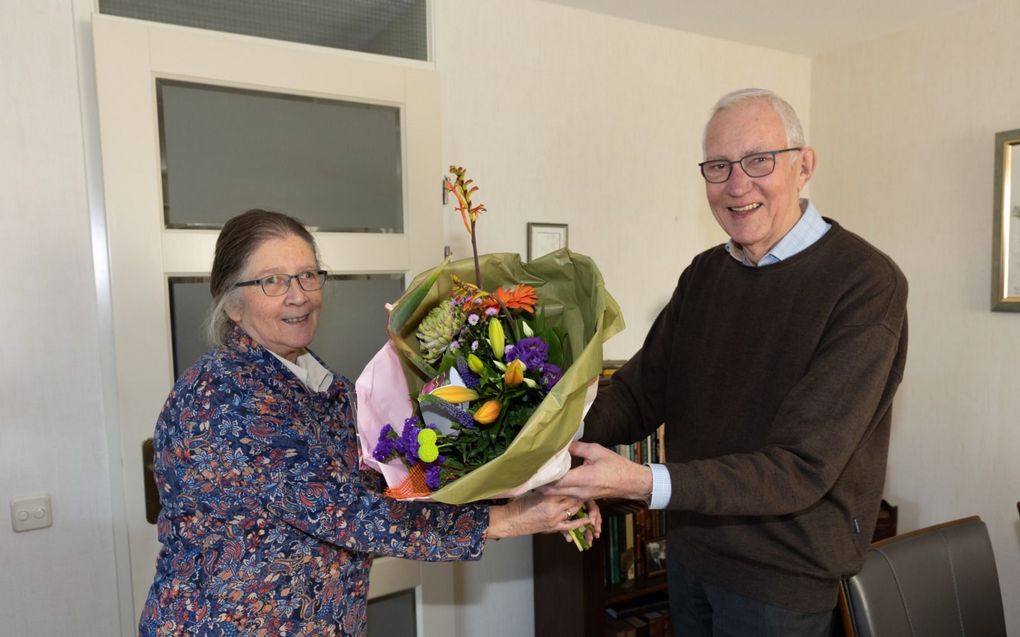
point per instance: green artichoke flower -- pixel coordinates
(439, 329)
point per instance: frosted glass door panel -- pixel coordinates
(352, 324)
(334, 165)
(387, 27)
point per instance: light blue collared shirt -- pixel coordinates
(809, 228)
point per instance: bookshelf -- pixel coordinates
(577, 594)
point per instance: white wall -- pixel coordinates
(566, 116)
(904, 127)
(56, 581)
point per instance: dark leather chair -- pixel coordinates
(933, 582)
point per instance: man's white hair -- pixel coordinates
(794, 131)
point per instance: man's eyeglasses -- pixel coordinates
(716, 171)
(278, 284)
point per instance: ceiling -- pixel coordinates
(806, 27)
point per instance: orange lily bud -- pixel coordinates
(488, 413)
(514, 374)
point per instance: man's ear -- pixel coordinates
(806, 165)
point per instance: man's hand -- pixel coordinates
(604, 474)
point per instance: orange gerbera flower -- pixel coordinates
(519, 297)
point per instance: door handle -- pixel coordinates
(152, 506)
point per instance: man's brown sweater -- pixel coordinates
(776, 386)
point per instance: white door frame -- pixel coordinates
(142, 254)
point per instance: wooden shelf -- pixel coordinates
(635, 588)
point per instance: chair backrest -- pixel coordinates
(935, 581)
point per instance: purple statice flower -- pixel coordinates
(550, 375)
(491, 311)
(433, 472)
(474, 346)
(408, 442)
(532, 351)
(472, 319)
(386, 445)
(453, 346)
(471, 379)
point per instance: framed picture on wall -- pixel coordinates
(544, 238)
(1006, 223)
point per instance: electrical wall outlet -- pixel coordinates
(31, 512)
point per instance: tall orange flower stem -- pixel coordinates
(462, 189)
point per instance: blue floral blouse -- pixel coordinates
(268, 526)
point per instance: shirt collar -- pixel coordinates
(808, 229)
(309, 371)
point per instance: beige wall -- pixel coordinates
(562, 116)
(566, 116)
(905, 129)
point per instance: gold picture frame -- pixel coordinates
(1006, 223)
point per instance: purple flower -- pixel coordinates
(491, 311)
(474, 346)
(408, 442)
(471, 379)
(472, 319)
(454, 413)
(550, 375)
(433, 472)
(386, 445)
(463, 418)
(532, 351)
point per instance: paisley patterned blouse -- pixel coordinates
(268, 526)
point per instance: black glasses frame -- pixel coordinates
(321, 280)
(740, 161)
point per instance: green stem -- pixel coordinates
(577, 535)
(474, 249)
(510, 321)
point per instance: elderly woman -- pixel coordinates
(268, 526)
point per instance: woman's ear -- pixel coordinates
(234, 308)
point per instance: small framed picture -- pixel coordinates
(655, 556)
(544, 238)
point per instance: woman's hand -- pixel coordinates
(535, 513)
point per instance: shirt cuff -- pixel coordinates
(662, 488)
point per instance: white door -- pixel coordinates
(131, 57)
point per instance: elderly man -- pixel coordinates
(773, 368)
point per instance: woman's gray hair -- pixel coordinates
(794, 131)
(240, 237)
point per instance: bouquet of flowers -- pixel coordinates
(482, 385)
